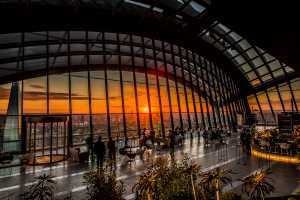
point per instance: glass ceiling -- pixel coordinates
(255, 64)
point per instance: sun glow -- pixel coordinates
(145, 109)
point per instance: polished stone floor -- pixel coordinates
(69, 176)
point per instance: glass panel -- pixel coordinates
(59, 93)
(154, 99)
(244, 45)
(275, 101)
(165, 102)
(245, 68)
(115, 103)
(274, 65)
(251, 53)
(278, 73)
(100, 126)
(35, 95)
(4, 97)
(80, 128)
(193, 9)
(143, 101)
(257, 62)
(254, 107)
(129, 104)
(286, 96)
(80, 95)
(265, 107)
(251, 75)
(295, 84)
(98, 96)
(262, 70)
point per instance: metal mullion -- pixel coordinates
(243, 52)
(158, 88)
(51, 142)
(210, 94)
(260, 110)
(135, 87)
(293, 96)
(199, 93)
(22, 82)
(106, 88)
(256, 67)
(221, 37)
(192, 89)
(122, 88)
(232, 45)
(280, 98)
(34, 142)
(89, 91)
(271, 107)
(233, 105)
(270, 72)
(228, 99)
(147, 84)
(47, 73)
(216, 99)
(43, 144)
(207, 29)
(224, 90)
(236, 93)
(176, 85)
(249, 62)
(220, 94)
(182, 7)
(204, 90)
(70, 90)
(290, 87)
(184, 88)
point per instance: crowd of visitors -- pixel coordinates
(147, 140)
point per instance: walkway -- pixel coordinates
(69, 176)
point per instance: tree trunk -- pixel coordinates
(217, 190)
(194, 191)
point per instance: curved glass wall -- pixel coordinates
(255, 64)
(284, 97)
(110, 84)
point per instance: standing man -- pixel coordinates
(111, 145)
(100, 151)
(172, 144)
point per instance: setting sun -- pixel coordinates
(145, 109)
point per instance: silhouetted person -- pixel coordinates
(100, 151)
(152, 136)
(248, 143)
(172, 144)
(111, 145)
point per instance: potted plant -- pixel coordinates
(212, 181)
(257, 185)
(102, 184)
(165, 181)
(42, 190)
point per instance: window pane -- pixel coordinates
(286, 97)
(34, 95)
(59, 93)
(4, 97)
(79, 88)
(98, 96)
(296, 89)
(142, 100)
